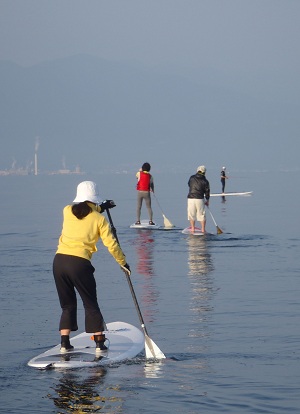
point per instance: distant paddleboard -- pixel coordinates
(125, 342)
(145, 225)
(197, 232)
(246, 193)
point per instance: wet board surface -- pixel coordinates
(197, 232)
(145, 225)
(125, 342)
(246, 193)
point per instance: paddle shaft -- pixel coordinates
(219, 231)
(128, 278)
(158, 203)
(212, 217)
(167, 222)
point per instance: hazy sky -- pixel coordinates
(253, 45)
(231, 34)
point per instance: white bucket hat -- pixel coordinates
(201, 169)
(87, 191)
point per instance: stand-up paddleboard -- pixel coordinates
(125, 342)
(197, 232)
(246, 193)
(145, 225)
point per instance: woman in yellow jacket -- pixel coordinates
(83, 225)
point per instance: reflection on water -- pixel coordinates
(224, 207)
(200, 266)
(202, 291)
(75, 394)
(144, 250)
(153, 369)
(144, 245)
(81, 391)
(199, 260)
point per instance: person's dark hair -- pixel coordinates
(81, 210)
(146, 166)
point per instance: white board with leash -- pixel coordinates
(125, 342)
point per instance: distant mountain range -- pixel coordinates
(100, 115)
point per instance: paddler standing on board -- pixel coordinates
(223, 179)
(83, 226)
(144, 186)
(198, 189)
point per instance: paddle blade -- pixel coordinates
(167, 222)
(219, 231)
(152, 350)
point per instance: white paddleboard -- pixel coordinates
(145, 225)
(126, 342)
(246, 193)
(197, 232)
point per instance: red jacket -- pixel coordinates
(143, 183)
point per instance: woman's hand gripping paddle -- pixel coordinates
(151, 349)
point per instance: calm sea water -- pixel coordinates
(224, 308)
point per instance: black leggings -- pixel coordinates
(223, 184)
(70, 273)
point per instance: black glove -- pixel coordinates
(107, 204)
(126, 269)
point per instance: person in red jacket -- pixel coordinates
(144, 186)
